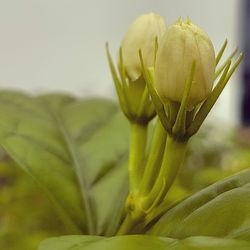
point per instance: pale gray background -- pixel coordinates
(50, 45)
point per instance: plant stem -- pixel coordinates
(126, 226)
(173, 158)
(139, 204)
(154, 160)
(138, 141)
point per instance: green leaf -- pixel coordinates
(211, 243)
(140, 242)
(220, 210)
(75, 149)
(131, 242)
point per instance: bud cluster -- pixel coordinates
(181, 83)
(178, 65)
(169, 71)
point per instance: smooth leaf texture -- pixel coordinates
(141, 242)
(75, 149)
(220, 210)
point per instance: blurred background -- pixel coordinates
(59, 45)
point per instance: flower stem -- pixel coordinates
(126, 226)
(172, 159)
(138, 141)
(154, 159)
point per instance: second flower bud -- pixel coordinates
(141, 35)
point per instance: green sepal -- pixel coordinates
(223, 66)
(159, 107)
(179, 128)
(211, 100)
(133, 96)
(119, 87)
(220, 53)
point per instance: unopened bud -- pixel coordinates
(182, 44)
(141, 35)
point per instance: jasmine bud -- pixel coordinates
(181, 45)
(141, 35)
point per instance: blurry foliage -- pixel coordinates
(26, 215)
(213, 155)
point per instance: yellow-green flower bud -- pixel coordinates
(182, 44)
(141, 35)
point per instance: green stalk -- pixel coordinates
(154, 159)
(172, 160)
(138, 141)
(126, 226)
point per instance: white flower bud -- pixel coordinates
(141, 35)
(182, 43)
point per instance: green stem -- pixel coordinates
(154, 159)
(173, 158)
(138, 141)
(126, 226)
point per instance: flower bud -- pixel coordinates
(182, 44)
(141, 35)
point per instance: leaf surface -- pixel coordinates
(75, 149)
(220, 210)
(140, 242)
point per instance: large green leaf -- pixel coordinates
(220, 210)
(211, 243)
(75, 149)
(141, 242)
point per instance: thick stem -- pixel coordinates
(126, 226)
(154, 159)
(139, 205)
(134, 214)
(138, 141)
(172, 160)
